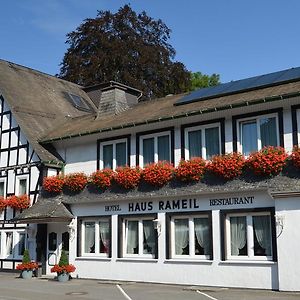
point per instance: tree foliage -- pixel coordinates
(199, 80)
(126, 47)
(63, 261)
(26, 257)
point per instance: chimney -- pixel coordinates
(112, 97)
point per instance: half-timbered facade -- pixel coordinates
(212, 232)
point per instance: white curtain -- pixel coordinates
(163, 146)
(249, 137)
(202, 233)
(132, 237)
(238, 234)
(262, 229)
(104, 235)
(149, 237)
(89, 243)
(9, 243)
(181, 235)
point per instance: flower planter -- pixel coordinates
(63, 277)
(26, 274)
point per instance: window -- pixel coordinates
(249, 236)
(202, 141)
(191, 236)
(113, 154)
(155, 147)
(139, 237)
(256, 133)
(2, 188)
(21, 185)
(96, 237)
(9, 243)
(21, 244)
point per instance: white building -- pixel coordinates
(239, 233)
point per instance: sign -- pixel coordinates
(231, 201)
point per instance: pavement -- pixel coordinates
(14, 288)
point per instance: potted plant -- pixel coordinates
(27, 266)
(63, 269)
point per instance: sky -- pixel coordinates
(234, 38)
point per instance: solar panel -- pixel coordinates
(242, 85)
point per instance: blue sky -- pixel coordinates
(234, 38)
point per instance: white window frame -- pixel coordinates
(15, 247)
(257, 119)
(191, 254)
(97, 239)
(155, 136)
(18, 179)
(113, 143)
(202, 128)
(4, 182)
(298, 125)
(250, 237)
(140, 237)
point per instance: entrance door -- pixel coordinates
(57, 240)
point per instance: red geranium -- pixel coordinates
(190, 170)
(296, 157)
(158, 174)
(53, 184)
(268, 161)
(3, 203)
(63, 269)
(227, 166)
(75, 182)
(127, 177)
(102, 179)
(18, 202)
(27, 266)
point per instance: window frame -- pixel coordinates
(122, 238)
(155, 136)
(18, 179)
(97, 252)
(170, 235)
(15, 243)
(3, 179)
(202, 127)
(249, 214)
(113, 142)
(258, 131)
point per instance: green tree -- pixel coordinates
(126, 47)
(63, 261)
(26, 257)
(199, 80)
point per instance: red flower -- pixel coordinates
(268, 161)
(190, 170)
(102, 179)
(158, 174)
(63, 269)
(53, 184)
(75, 182)
(27, 266)
(3, 203)
(227, 166)
(18, 202)
(127, 177)
(296, 157)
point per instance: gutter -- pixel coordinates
(182, 115)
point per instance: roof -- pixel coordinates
(38, 101)
(48, 210)
(164, 109)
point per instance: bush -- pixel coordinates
(102, 179)
(26, 257)
(158, 174)
(53, 184)
(127, 177)
(296, 157)
(75, 182)
(190, 170)
(18, 202)
(63, 261)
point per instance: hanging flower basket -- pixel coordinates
(190, 170)
(127, 177)
(75, 182)
(158, 174)
(269, 161)
(53, 184)
(102, 179)
(227, 166)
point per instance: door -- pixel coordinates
(57, 240)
